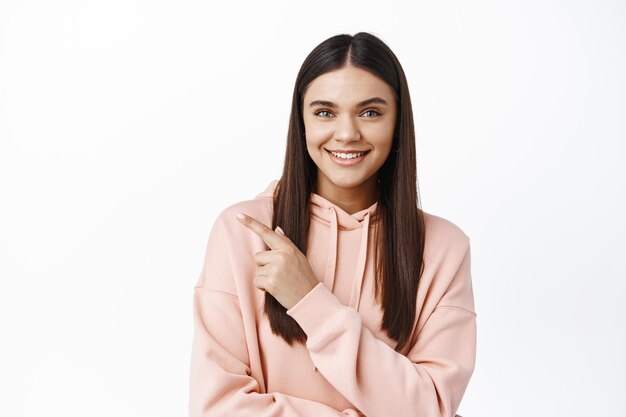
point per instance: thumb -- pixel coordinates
(279, 230)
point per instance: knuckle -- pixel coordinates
(269, 283)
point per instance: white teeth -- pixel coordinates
(348, 155)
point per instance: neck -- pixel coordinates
(351, 200)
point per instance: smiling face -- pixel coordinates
(351, 111)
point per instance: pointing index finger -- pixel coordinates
(273, 239)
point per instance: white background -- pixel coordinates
(127, 126)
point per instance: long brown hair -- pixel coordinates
(399, 253)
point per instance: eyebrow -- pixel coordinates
(362, 103)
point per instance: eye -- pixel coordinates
(318, 113)
(322, 113)
(372, 110)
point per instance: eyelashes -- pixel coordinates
(319, 113)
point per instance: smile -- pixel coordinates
(347, 159)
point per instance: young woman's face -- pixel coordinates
(348, 110)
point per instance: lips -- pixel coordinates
(347, 151)
(347, 161)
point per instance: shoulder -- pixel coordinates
(444, 238)
(443, 228)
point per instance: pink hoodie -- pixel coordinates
(348, 366)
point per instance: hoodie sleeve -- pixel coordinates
(428, 382)
(219, 381)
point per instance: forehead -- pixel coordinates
(347, 85)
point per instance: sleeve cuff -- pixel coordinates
(317, 311)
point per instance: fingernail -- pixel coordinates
(279, 230)
(240, 215)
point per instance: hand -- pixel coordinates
(284, 271)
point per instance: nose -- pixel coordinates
(346, 129)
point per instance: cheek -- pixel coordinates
(317, 131)
(382, 136)
(314, 149)
(315, 139)
(383, 130)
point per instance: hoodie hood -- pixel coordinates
(338, 219)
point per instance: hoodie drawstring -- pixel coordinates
(331, 264)
(360, 266)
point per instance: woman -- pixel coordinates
(377, 319)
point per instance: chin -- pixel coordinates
(346, 182)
